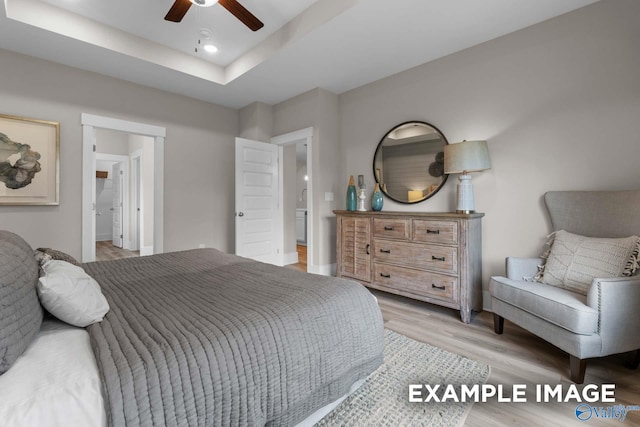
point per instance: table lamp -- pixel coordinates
(465, 157)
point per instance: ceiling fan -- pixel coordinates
(180, 8)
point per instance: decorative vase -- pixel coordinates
(352, 196)
(362, 197)
(376, 198)
(362, 194)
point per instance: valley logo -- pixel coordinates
(585, 412)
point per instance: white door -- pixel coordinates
(117, 205)
(257, 200)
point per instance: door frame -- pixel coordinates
(89, 124)
(299, 136)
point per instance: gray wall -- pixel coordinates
(256, 122)
(319, 109)
(199, 152)
(557, 102)
(112, 142)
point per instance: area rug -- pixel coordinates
(383, 400)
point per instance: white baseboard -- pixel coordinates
(290, 258)
(147, 250)
(323, 270)
(103, 237)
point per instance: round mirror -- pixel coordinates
(409, 162)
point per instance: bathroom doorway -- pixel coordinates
(302, 178)
(296, 199)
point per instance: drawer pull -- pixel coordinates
(388, 228)
(385, 251)
(442, 288)
(387, 276)
(433, 231)
(435, 258)
(368, 246)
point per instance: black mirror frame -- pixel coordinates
(446, 176)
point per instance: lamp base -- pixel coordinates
(465, 195)
(467, 212)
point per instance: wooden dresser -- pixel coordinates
(434, 257)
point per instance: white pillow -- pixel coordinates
(70, 294)
(574, 261)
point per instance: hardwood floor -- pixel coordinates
(516, 357)
(105, 251)
(302, 259)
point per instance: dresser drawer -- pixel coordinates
(433, 231)
(416, 255)
(423, 283)
(391, 228)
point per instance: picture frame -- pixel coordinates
(29, 161)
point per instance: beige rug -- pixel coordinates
(383, 400)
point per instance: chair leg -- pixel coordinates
(498, 324)
(578, 368)
(634, 360)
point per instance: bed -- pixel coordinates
(206, 338)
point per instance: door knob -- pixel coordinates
(241, 214)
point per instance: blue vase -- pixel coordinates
(376, 199)
(352, 197)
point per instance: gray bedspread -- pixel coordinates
(203, 338)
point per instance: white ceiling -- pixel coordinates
(334, 44)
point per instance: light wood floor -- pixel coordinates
(105, 251)
(516, 357)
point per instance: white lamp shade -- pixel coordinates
(466, 156)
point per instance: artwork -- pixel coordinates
(29, 151)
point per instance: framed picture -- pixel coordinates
(29, 161)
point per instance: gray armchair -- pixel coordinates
(605, 321)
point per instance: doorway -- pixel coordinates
(152, 229)
(296, 198)
(113, 228)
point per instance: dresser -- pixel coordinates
(433, 257)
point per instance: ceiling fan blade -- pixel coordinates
(178, 10)
(242, 14)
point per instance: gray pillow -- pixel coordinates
(43, 255)
(20, 313)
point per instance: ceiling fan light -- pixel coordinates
(204, 3)
(208, 47)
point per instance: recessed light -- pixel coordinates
(210, 48)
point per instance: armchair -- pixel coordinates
(605, 321)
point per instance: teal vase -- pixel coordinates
(376, 199)
(352, 197)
